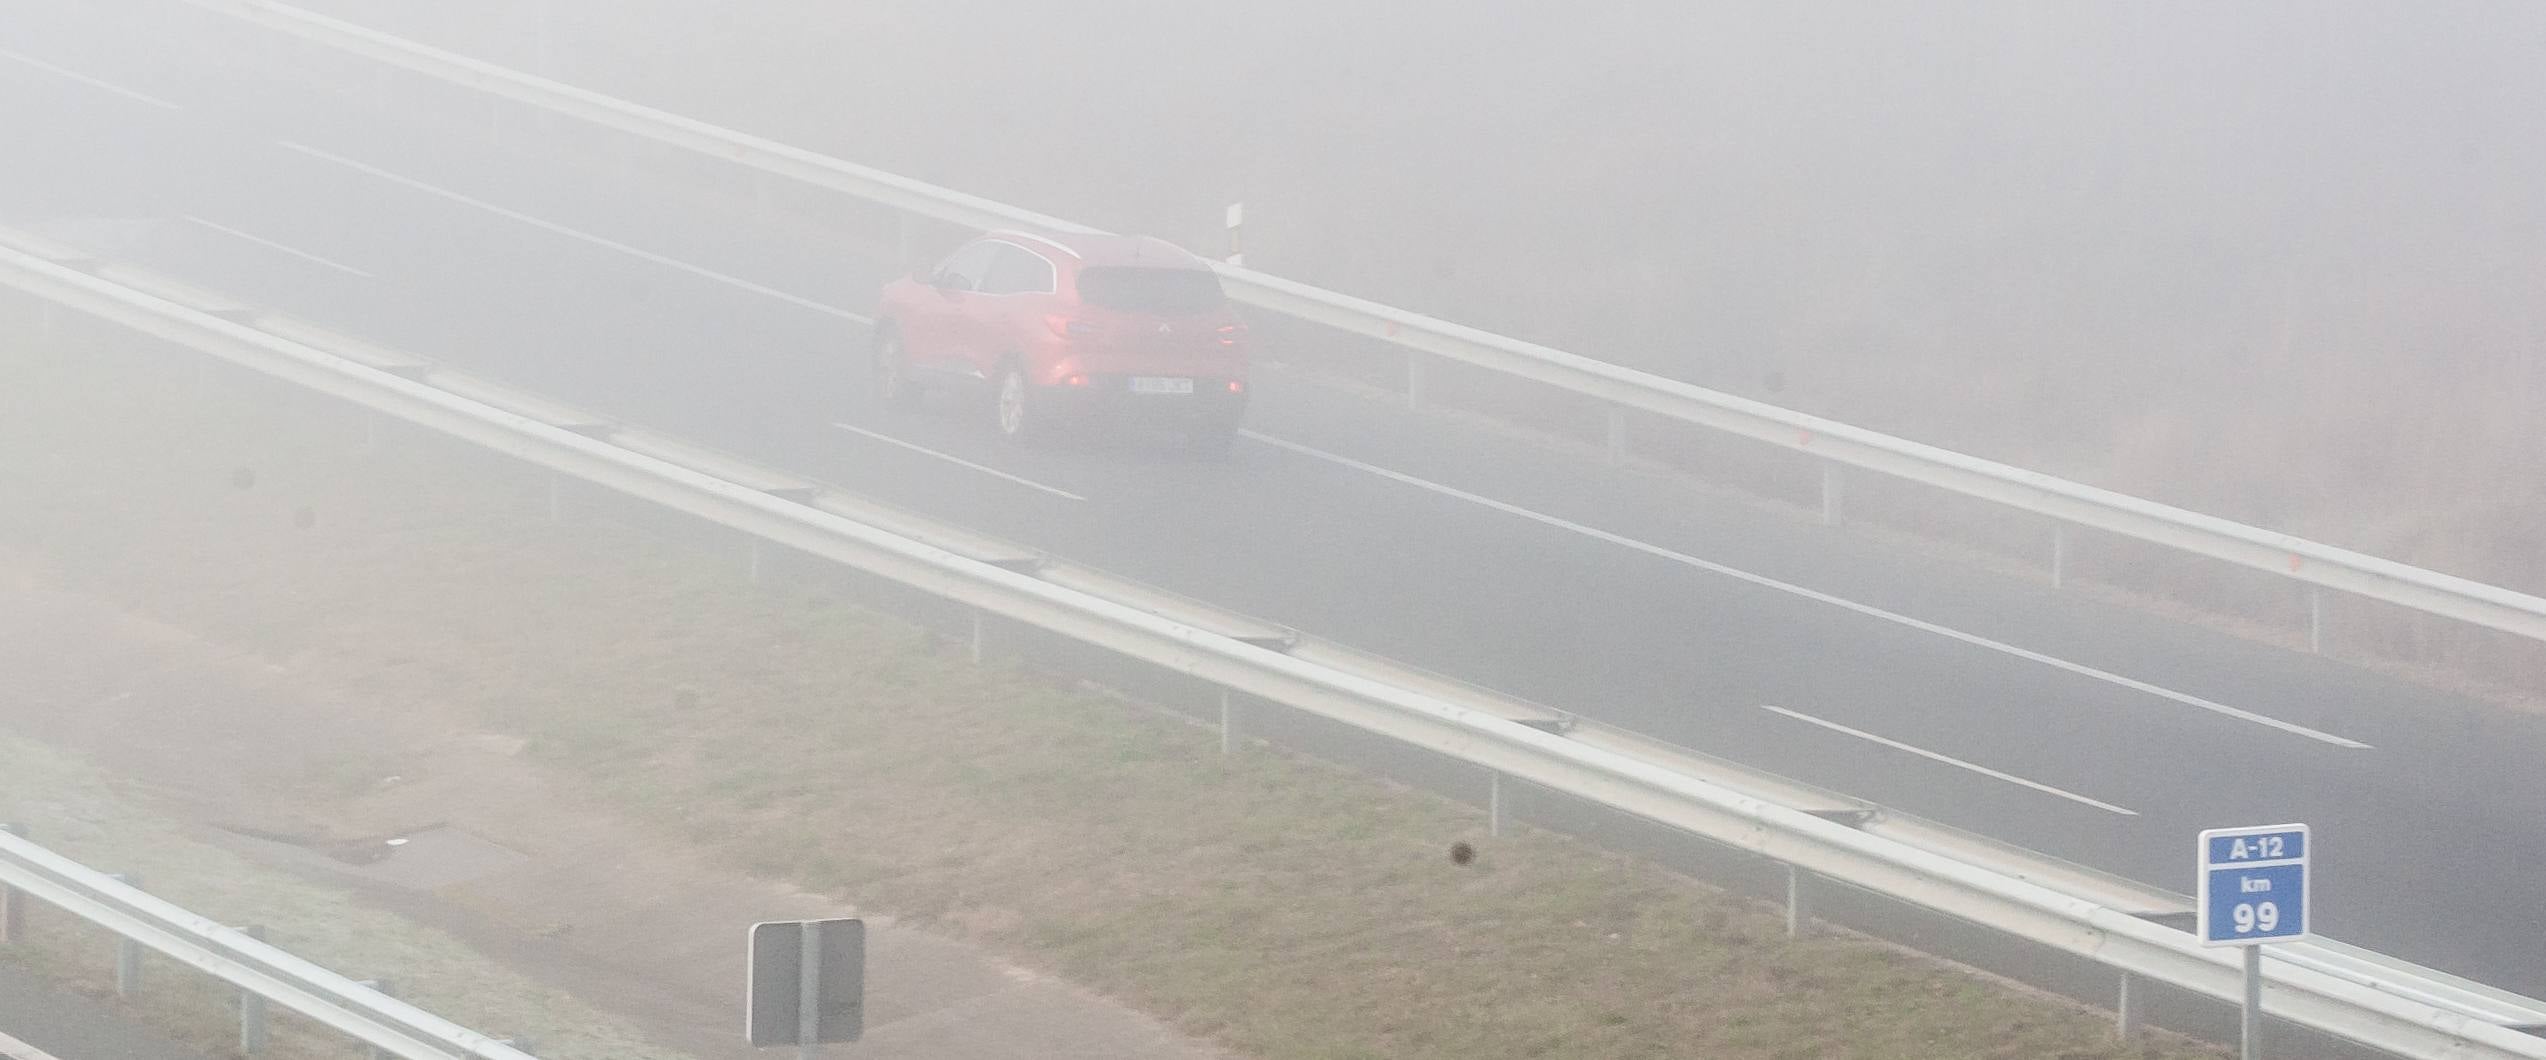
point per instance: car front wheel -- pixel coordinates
(1014, 404)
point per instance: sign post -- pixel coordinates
(2253, 891)
(806, 985)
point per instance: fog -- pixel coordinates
(2270, 260)
(2281, 263)
(2276, 262)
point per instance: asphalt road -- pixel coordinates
(547, 256)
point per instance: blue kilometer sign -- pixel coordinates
(2253, 885)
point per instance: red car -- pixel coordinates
(1068, 329)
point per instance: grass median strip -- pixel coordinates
(1274, 904)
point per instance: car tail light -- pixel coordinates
(1237, 386)
(1074, 379)
(1229, 333)
(1068, 327)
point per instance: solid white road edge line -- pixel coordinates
(269, 244)
(576, 233)
(92, 82)
(1952, 761)
(959, 461)
(1764, 581)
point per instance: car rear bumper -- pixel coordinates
(1105, 398)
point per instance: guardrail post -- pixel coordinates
(385, 988)
(751, 546)
(1798, 902)
(13, 906)
(2059, 554)
(1617, 436)
(1414, 381)
(2315, 620)
(977, 633)
(1228, 723)
(252, 1007)
(1494, 803)
(1830, 493)
(2126, 1014)
(127, 951)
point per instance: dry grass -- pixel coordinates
(1280, 906)
(116, 825)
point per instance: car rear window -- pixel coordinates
(1151, 290)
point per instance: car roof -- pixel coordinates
(1109, 250)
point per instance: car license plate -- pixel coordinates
(1159, 384)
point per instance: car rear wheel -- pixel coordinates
(1014, 406)
(893, 383)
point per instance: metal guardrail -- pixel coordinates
(1837, 444)
(2374, 1000)
(2155, 904)
(334, 1001)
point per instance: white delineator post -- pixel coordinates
(1237, 220)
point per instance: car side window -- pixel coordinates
(963, 271)
(1016, 270)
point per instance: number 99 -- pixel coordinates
(2260, 916)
